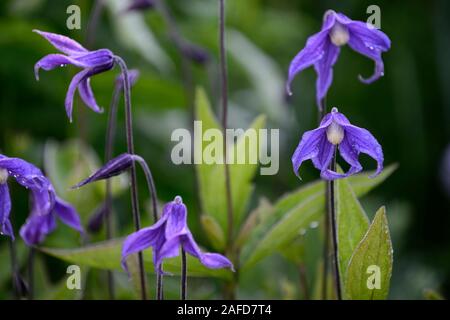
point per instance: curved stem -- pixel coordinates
(93, 22)
(224, 88)
(130, 150)
(152, 189)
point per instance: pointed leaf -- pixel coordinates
(352, 223)
(370, 267)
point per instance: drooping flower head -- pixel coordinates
(322, 50)
(167, 237)
(46, 205)
(92, 62)
(335, 131)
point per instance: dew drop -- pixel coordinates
(314, 224)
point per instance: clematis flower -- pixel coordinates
(46, 205)
(322, 50)
(92, 62)
(335, 131)
(167, 237)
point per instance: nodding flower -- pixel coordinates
(46, 205)
(335, 131)
(167, 236)
(92, 63)
(322, 50)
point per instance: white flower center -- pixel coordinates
(335, 133)
(339, 34)
(3, 175)
(178, 200)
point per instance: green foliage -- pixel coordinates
(211, 177)
(296, 211)
(107, 256)
(371, 259)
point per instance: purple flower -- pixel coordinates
(140, 5)
(335, 130)
(167, 236)
(46, 206)
(112, 168)
(322, 50)
(92, 62)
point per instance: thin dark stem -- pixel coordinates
(326, 224)
(224, 88)
(31, 260)
(332, 207)
(109, 149)
(130, 149)
(152, 190)
(183, 274)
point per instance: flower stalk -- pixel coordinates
(130, 149)
(332, 219)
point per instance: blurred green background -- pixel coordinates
(408, 110)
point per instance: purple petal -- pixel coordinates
(86, 94)
(68, 215)
(112, 168)
(326, 150)
(97, 218)
(209, 260)
(370, 43)
(143, 239)
(361, 140)
(176, 220)
(5, 209)
(308, 147)
(312, 52)
(76, 80)
(324, 69)
(52, 61)
(63, 43)
(24, 172)
(97, 58)
(36, 228)
(169, 249)
(350, 154)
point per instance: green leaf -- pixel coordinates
(352, 223)
(296, 211)
(107, 256)
(212, 176)
(214, 232)
(370, 267)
